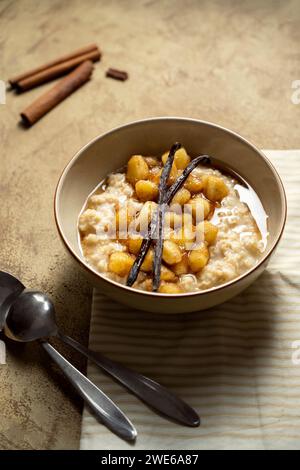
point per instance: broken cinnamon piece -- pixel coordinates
(117, 74)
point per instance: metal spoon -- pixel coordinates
(23, 327)
(32, 316)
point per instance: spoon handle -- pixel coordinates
(149, 391)
(103, 407)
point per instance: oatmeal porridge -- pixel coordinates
(211, 232)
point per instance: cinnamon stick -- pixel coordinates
(58, 93)
(56, 71)
(65, 58)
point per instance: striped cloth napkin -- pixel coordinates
(235, 364)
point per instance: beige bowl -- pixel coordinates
(110, 151)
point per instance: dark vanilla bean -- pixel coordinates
(152, 225)
(169, 196)
(161, 209)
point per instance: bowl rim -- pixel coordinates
(160, 295)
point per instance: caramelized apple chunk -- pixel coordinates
(167, 274)
(147, 265)
(137, 169)
(207, 231)
(169, 288)
(198, 258)
(200, 208)
(171, 252)
(146, 190)
(215, 189)
(181, 158)
(181, 197)
(182, 267)
(120, 263)
(134, 244)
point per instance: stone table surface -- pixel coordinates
(231, 62)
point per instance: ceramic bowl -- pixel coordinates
(111, 151)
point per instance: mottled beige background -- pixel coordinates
(231, 62)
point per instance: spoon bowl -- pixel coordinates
(31, 317)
